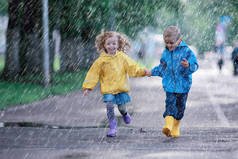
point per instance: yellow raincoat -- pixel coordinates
(113, 73)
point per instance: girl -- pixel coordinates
(112, 68)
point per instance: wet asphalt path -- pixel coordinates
(72, 127)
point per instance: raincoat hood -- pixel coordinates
(182, 44)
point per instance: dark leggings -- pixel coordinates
(110, 110)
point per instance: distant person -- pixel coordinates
(177, 64)
(220, 39)
(141, 52)
(234, 59)
(112, 68)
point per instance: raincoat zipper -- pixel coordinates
(173, 69)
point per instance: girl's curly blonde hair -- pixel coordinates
(123, 41)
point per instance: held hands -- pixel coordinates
(185, 63)
(147, 72)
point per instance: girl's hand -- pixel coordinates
(185, 63)
(148, 73)
(85, 92)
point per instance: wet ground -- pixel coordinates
(72, 126)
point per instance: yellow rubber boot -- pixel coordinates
(175, 131)
(169, 121)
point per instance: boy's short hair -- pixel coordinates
(172, 31)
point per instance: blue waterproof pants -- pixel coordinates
(175, 105)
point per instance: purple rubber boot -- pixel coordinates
(113, 126)
(127, 118)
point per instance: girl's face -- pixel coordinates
(171, 42)
(111, 45)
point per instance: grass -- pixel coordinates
(12, 94)
(2, 61)
(23, 93)
(57, 63)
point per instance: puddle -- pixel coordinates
(42, 125)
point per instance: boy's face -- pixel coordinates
(171, 42)
(111, 45)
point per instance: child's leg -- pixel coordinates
(170, 112)
(122, 109)
(126, 116)
(235, 63)
(181, 105)
(181, 100)
(170, 105)
(111, 118)
(110, 111)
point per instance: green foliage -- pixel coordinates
(2, 62)
(56, 64)
(20, 93)
(83, 18)
(86, 18)
(197, 19)
(3, 7)
(132, 16)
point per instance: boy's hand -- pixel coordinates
(85, 92)
(148, 73)
(185, 63)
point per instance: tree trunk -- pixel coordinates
(89, 55)
(30, 44)
(77, 48)
(11, 67)
(52, 46)
(69, 55)
(54, 26)
(76, 55)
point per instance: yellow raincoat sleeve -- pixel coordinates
(92, 76)
(133, 68)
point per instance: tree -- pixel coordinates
(79, 26)
(132, 16)
(11, 68)
(30, 48)
(81, 21)
(24, 50)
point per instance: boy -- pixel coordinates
(176, 67)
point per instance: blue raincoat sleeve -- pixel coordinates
(192, 60)
(160, 69)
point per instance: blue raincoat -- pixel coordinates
(176, 78)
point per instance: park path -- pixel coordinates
(73, 126)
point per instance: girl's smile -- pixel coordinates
(111, 45)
